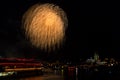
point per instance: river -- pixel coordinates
(72, 75)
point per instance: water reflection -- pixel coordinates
(62, 73)
(33, 78)
(73, 73)
(55, 75)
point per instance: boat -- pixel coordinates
(20, 67)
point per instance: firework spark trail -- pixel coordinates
(45, 25)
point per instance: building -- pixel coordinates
(96, 57)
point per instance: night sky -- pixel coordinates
(90, 29)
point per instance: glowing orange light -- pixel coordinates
(45, 25)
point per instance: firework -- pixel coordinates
(45, 25)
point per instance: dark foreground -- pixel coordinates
(72, 74)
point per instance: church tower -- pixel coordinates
(96, 57)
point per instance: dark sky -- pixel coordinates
(90, 29)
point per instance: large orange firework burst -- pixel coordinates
(45, 25)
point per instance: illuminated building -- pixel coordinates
(96, 57)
